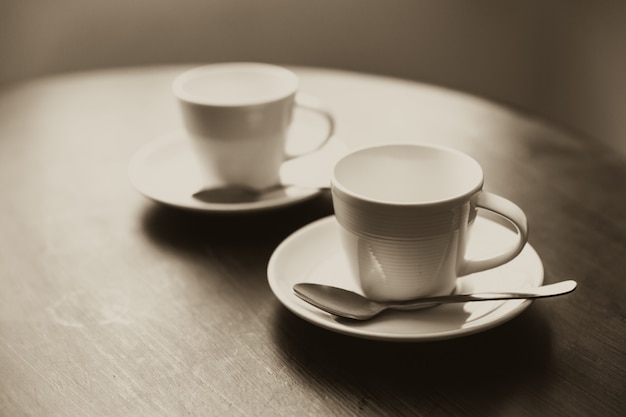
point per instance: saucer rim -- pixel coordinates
(137, 166)
(328, 322)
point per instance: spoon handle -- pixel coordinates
(550, 290)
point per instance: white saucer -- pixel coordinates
(314, 254)
(165, 170)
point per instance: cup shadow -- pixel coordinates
(193, 232)
(386, 377)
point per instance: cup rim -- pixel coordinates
(184, 95)
(344, 192)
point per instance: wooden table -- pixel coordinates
(111, 305)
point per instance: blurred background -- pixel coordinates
(561, 60)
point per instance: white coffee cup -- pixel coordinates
(237, 116)
(405, 213)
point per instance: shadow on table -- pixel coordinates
(193, 231)
(390, 377)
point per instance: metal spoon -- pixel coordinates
(344, 303)
(237, 194)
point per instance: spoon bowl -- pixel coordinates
(348, 304)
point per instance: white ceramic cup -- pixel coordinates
(237, 116)
(405, 213)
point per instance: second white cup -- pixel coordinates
(404, 214)
(237, 116)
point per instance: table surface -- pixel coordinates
(113, 305)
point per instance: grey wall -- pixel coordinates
(563, 60)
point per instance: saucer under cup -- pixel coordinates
(314, 254)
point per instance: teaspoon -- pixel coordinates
(348, 304)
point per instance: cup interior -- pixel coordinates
(405, 174)
(235, 84)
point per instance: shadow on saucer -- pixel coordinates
(385, 376)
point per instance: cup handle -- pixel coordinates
(315, 105)
(514, 215)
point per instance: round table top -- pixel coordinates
(111, 304)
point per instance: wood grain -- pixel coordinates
(111, 305)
